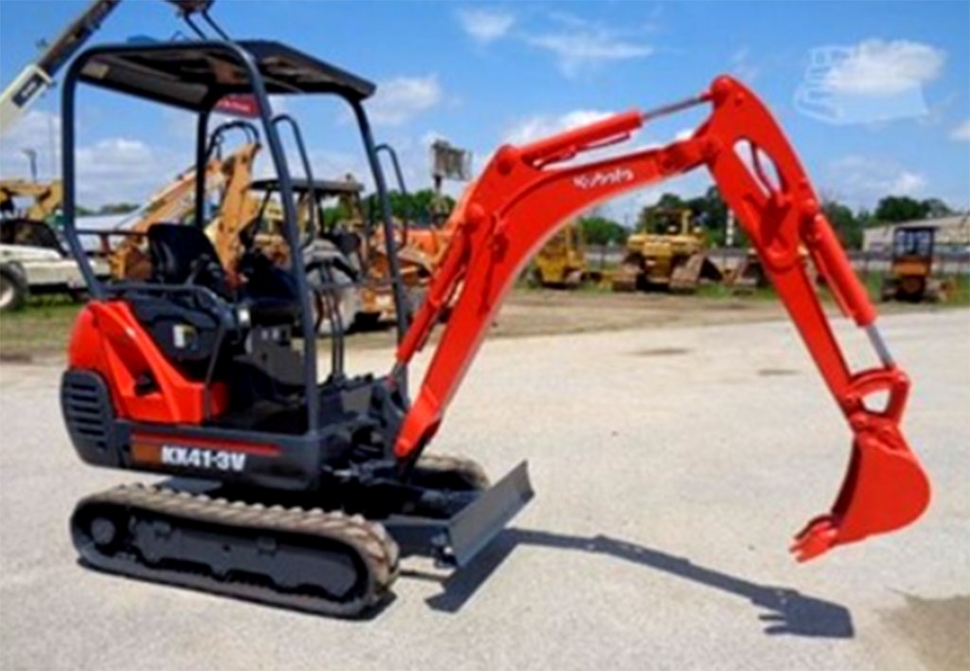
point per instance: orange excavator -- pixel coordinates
(304, 490)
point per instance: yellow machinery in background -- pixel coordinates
(561, 263)
(911, 268)
(47, 197)
(668, 253)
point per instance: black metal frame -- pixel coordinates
(235, 52)
(399, 176)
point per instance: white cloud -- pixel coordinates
(962, 132)
(539, 126)
(399, 100)
(113, 169)
(877, 67)
(37, 130)
(121, 169)
(742, 66)
(486, 25)
(862, 181)
(581, 45)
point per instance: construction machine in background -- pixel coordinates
(302, 485)
(910, 277)
(33, 259)
(748, 275)
(45, 199)
(38, 76)
(424, 236)
(668, 253)
(345, 258)
(561, 262)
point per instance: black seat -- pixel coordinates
(182, 254)
(269, 292)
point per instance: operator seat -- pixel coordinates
(183, 254)
(186, 325)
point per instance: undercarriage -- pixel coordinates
(279, 550)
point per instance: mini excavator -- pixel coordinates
(303, 490)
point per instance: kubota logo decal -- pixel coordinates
(593, 180)
(196, 457)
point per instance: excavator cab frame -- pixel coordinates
(195, 373)
(251, 68)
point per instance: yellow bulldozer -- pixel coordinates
(561, 263)
(669, 252)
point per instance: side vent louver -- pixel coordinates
(88, 414)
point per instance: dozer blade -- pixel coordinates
(687, 276)
(475, 526)
(456, 540)
(885, 488)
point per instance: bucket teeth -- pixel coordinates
(885, 489)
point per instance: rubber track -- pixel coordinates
(470, 470)
(369, 540)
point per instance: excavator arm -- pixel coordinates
(523, 197)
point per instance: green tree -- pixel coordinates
(602, 231)
(333, 214)
(936, 207)
(117, 208)
(901, 208)
(711, 212)
(419, 206)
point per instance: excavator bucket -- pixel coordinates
(885, 488)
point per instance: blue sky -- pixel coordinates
(893, 80)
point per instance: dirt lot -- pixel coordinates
(41, 332)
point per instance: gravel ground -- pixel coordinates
(671, 466)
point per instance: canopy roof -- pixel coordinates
(195, 75)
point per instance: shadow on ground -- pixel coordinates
(786, 611)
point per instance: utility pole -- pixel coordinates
(31, 155)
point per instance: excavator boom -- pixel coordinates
(523, 197)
